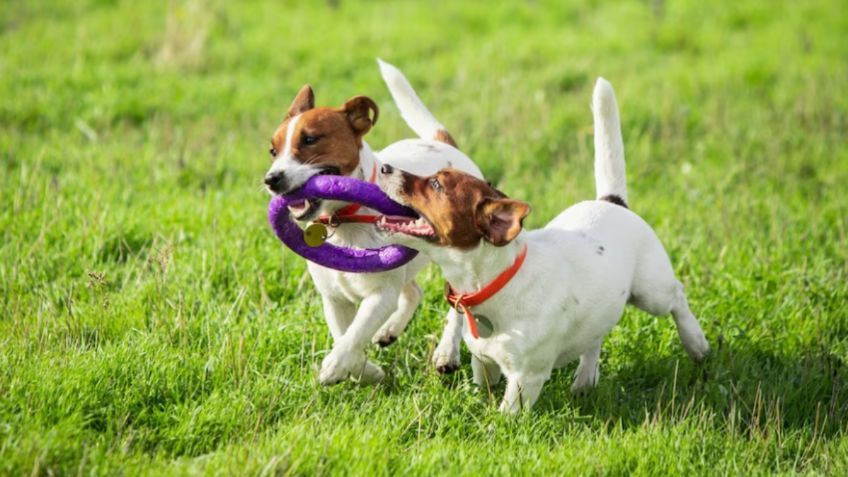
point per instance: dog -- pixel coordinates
(323, 140)
(545, 297)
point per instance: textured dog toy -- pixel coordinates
(344, 259)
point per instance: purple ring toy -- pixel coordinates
(344, 259)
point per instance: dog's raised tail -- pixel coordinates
(610, 179)
(412, 110)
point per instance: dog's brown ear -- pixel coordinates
(358, 110)
(304, 101)
(500, 220)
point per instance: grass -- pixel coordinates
(150, 322)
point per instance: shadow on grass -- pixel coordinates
(741, 388)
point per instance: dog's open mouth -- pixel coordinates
(303, 209)
(419, 227)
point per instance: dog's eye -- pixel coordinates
(309, 140)
(273, 152)
(435, 184)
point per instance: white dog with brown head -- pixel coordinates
(536, 300)
(360, 307)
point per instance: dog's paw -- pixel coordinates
(695, 343)
(698, 349)
(509, 408)
(371, 374)
(585, 380)
(384, 337)
(445, 363)
(340, 365)
(581, 388)
(390, 331)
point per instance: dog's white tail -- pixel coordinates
(412, 110)
(610, 180)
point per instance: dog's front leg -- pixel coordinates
(588, 371)
(339, 313)
(347, 358)
(446, 354)
(408, 301)
(522, 391)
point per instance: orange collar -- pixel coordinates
(463, 302)
(348, 213)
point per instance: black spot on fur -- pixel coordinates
(615, 200)
(600, 250)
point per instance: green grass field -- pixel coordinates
(151, 323)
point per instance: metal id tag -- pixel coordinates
(315, 234)
(485, 328)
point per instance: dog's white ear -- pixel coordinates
(358, 110)
(500, 220)
(304, 101)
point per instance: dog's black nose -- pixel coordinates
(276, 181)
(387, 169)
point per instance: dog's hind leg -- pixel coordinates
(522, 391)
(657, 291)
(408, 301)
(688, 328)
(446, 354)
(588, 371)
(485, 374)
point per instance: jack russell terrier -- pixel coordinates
(536, 300)
(322, 140)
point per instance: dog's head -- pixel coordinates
(320, 140)
(457, 211)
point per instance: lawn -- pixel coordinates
(151, 323)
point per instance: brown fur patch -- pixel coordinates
(337, 132)
(445, 137)
(303, 101)
(500, 219)
(463, 209)
(358, 110)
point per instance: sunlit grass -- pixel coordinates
(151, 323)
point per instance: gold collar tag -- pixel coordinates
(315, 234)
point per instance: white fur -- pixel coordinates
(289, 133)
(610, 177)
(296, 172)
(580, 272)
(386, 301)
(412, 110)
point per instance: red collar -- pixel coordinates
(348, 213)
(463, 302)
